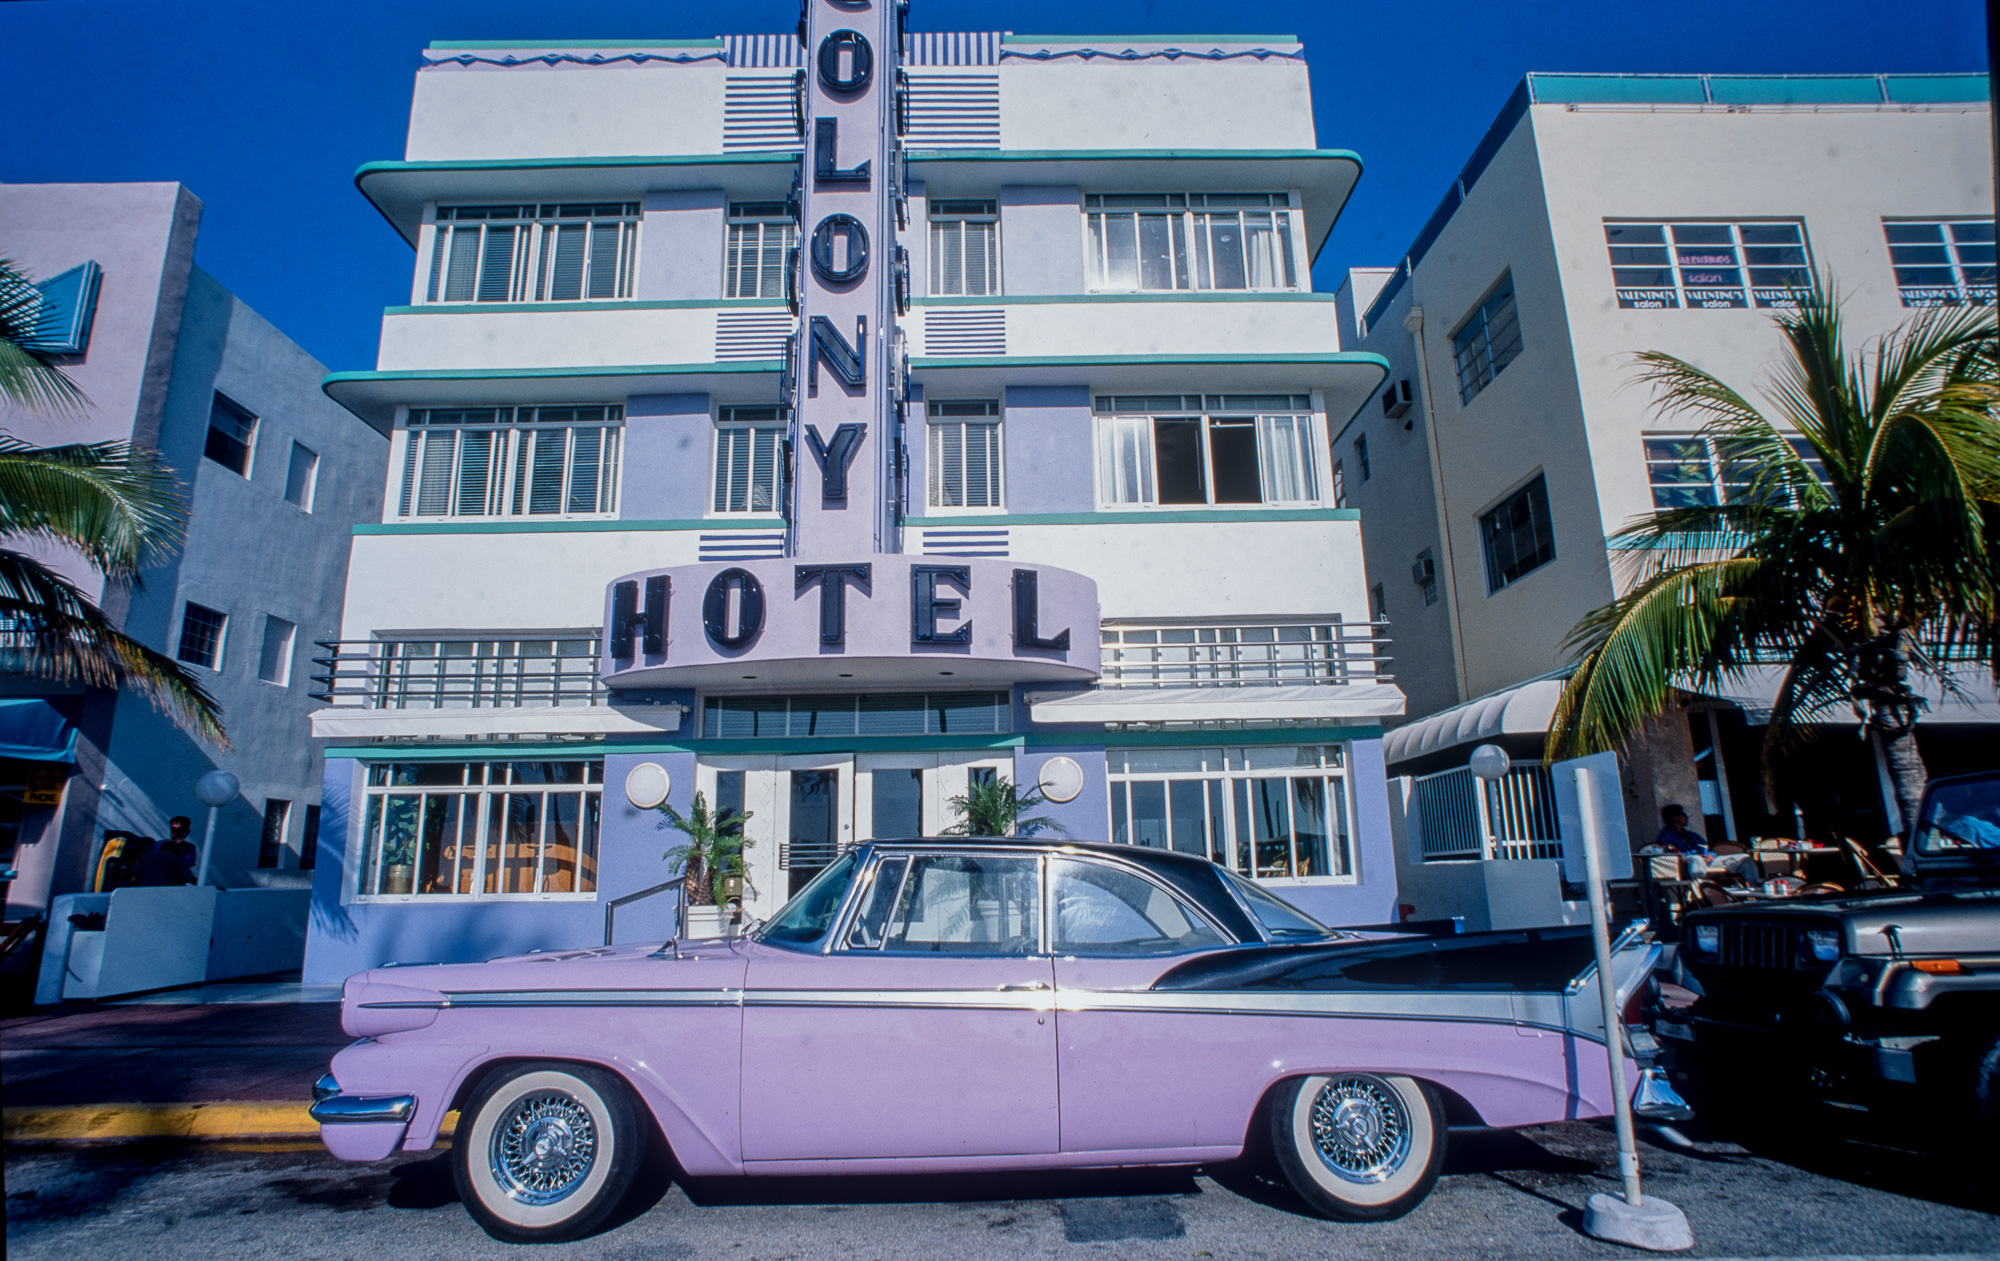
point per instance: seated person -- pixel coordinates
(1676, 836)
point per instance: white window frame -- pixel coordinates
(501, 482)
(1124, 437)
(1222, 770)
(309, 491)
(1697, 281)
(938, 427)
(534, 254)
(767, 233)
(1960, 290)
(949, 215)
(372, 821)
(286, 654)
(1191, 219)
(764, 428)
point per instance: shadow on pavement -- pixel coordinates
(967, 1188)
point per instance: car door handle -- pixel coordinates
(1031, 985)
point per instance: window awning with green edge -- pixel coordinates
(1323, 177)
(32, 730)
(1305, 702)
(1348, 378)
(374, 396)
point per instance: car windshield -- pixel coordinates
(1961, 816)
(1280, 919)
(806, 917)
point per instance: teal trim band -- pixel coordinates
(1330, 358)
(1127, 155)
(1045, 299)
(1143, 516)
(498, 751)
(531, 526)
(367, 169)
(1144, 39)
(454, 45)
(566, 308)
(740, 367)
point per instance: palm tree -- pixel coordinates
(713, 852)
(993, 807)
(113, 502)
(1854, 546)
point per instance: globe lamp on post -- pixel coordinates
(215, 789)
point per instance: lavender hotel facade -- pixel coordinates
(825, 422)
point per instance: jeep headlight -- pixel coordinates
(1821, 945)
(1707, 939)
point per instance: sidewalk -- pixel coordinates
(169, 1065)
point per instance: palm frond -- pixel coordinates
(29, 377)
(50, 630)
(116, 503)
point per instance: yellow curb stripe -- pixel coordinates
(205, 1121)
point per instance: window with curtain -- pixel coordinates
(965, 248)
(749, 472)
(1206, 449)
(1165, 241)
(568, 252)
(1274, 812)
(760, 235)
(963, 458)
(511, 461)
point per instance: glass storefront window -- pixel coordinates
(480, 829)
(1277, 812)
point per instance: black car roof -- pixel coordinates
(1194, 876)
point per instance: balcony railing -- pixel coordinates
(459, 673)
(1264, 655)
(1513, 817)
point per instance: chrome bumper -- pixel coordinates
(330, 1107)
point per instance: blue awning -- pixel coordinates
(32, 731)
(69, 305)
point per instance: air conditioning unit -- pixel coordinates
(1396, 400)
(1425, 570)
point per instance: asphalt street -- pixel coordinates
(1516, 1194)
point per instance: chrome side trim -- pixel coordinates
(363, 1109)
(596, 998)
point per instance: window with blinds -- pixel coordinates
(963, 459)
(965, 248)
(749, 473)
(760, 234)
(540, 253)
(1150, 241)
(511, 462)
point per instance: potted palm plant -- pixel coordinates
(711, 862)
(994, 807)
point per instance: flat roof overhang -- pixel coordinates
(1348, 378)
(1326, 177)
(374, 396)
(400, 189)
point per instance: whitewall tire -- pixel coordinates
(1358, 1146)
(545, 1152)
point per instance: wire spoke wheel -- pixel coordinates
(543, 1147)
(1360, 1128)
(1358, 1146)
(546, 1152)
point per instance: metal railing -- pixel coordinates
(1513, 817)
(1260, 655)
(460, 673)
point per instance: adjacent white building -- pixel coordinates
(1600, 216)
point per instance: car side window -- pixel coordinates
(1102, 910)
(967, 904)
(873, 917)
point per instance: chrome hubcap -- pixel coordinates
(543, 1147)
(1360, 1128)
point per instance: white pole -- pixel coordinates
(207, 845)
(1600, 936)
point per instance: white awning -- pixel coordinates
(1524, 709)
(1324, 703)
(355, 723)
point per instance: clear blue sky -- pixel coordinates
(265, 109)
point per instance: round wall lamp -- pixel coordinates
(647, 785)
(1062, 779)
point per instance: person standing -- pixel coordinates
(178, 844)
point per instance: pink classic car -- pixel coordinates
(928, 1006)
